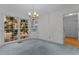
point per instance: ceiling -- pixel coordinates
(42, 9)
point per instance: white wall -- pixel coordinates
(56, 28)
(51, 28)
(43, 25)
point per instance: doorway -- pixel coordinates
(70, 27)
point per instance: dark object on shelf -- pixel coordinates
(20, 42)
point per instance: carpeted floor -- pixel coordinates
(37, 47)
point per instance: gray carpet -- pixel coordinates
(37, 47)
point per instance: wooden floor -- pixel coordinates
(71, 41)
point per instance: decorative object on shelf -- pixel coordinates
(33, 17)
